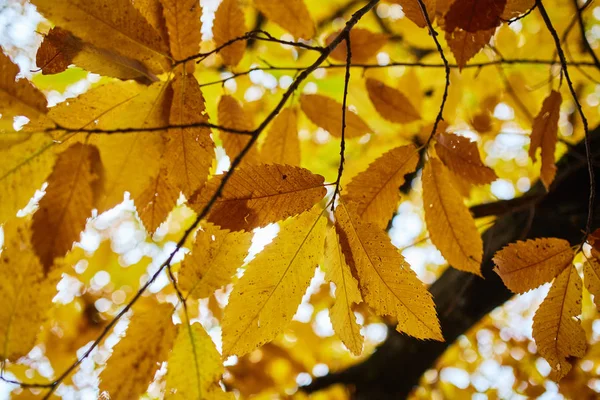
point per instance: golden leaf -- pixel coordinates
(544, 135)
(282, 145)
(291, 15)
(189, 152)
(412, 10)
(194, 364)
(526, 265)
(257, 195)
(327, 114)
(465, 45)
(451, 227)
(364, 45)
(113, 21)
(556, 329)
(156, 202)
(232, 115)
(73, 190)
(265, 299)
(376, 190)
(346, 294)
(591, 276)
(138, 355)
(514, 8)
(26, 293)
(215, 257)
(386, 281)
(461, 156)
(18, 97)
(182, 18)
(230, 24)
(390, 103)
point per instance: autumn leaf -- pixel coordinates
(73, 190)
(214, 259)
(327, 114)
(544, 135)
(257, 195)
(282, 145)
(229, 24)
(390, 103)
(291, 15)
(526, 265)
(376, 191)
(451, 227)
(182, 18)
(364, 45)
(156, 202)
(412, 10)
(556, 328)
(265, 299)
(465, 45)
(346, 294)
(138, 355)
(461, 156)
(591, 276)
(474, 15)
(232, 115)
(514, 8)
(386, 281)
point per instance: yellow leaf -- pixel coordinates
(282, 145)
(61, 49)
(18, 97)
(412, 10)
(461, 156)
(526, 265)
(232, 115)
(257, 195)
(386, 281)
(106, 22)
(189, 152)
(591, 275)
(183, 24)
(327, 114)
(346, 294)
(73, 190)
(152, 11)
(26, 293)
(544, 135)
(291, 15)
(451, 227)
(390, 103)
(376, 190)
(465, 45)
(230, 24)
(194, 364)
(215, 257)
(265, 299)
(556, 329)
(156, 202)
(364, 45)
(138, 355)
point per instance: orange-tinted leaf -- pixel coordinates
(451, 227)
(257, 195)
(412, 10)
(591, 276)
(18, 97)
(461, 156)
(544, 135)
(526, 265)
(391, 103)
(474, 15)
(514, 8)
(465, 45)
(230, 24)
(363, 43)
(232, 115)
(376, 190)
(282, 145)
(291, 15)
(182, 18)
(156, 202)
(327, 114)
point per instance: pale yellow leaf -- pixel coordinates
(526, 265)
(182, 18)
(346, 294)
(386, 281)
(215, 257)
(189, 152)
(229, 24)
(194, 364)
(327, 114)
(105, 23)
(591, 276)
(138, 355)
(156, 201)
(544, 135)
(391, 103)
(376, 191)
(556, 327)
(412, 10)
(364, 45)
(257, 195)
(451, 227)
(232, 115)
(461, 156)
(26, 292)
(282, 145)
(73, 189)
(291, 15)
(465, 45)
(265, 299)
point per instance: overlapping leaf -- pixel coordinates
(544, 135)
(156, 202)
(229, 24)
(391, 103)
(232, 115)
(282, 145)
(364, 45)
(327, 114)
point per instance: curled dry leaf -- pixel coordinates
(364, 45)
(327, 114)
(291, 15)
(229, 24)
(526, 265)
(544, 135)
(391, 103)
